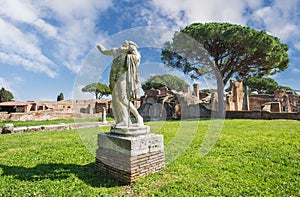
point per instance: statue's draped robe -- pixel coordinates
(126, 62)
(132, 76)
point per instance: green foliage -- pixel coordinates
(284, 88)
(98, 89)
(158, 81)
(263, 85)
(5, 95)
(237, 51)
(251, 158)
(209, 90)
(60, 97)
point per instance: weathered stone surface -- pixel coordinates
(131, 131)
(7, 128)
(20, 129)
(131, 145)
(34, 128)
(126, 158)
(235, 99)
(54, 127)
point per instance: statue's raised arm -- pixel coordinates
(105, 51)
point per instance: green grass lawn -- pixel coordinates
(250, 158)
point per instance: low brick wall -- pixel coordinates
(138, 166)
(288, 116)
(243, 114)
(261, 115)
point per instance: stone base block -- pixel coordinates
(133, 130)
(126, 158)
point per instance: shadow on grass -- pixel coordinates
(53, 171)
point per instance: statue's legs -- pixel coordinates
(119, 103)
(139, 118)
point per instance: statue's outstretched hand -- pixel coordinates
(100, 48)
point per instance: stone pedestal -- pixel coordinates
(127, 157)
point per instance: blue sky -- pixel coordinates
(47, 45)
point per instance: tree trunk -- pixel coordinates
(220, 112)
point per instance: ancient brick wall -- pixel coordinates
(257, 100)
(66, 109)
(261, 115)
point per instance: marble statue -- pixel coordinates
(124, 82)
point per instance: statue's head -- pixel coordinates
(125, 43)
(130, 43)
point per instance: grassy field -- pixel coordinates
(250, 158)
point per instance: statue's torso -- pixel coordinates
(119, 66)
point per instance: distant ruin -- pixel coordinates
(165, 104)
(49, 110)
(281, 101)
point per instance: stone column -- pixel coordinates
(187, 89)
(196, 90)
(246, 98)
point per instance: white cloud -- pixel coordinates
(18, 10)
(76, 36)
(70, 26)
(18, 48)
(254, 4)
(297, 45)
(296, 70)
(203, 11)
(46, 28)
(22, 11)
(280, 19)
(31, 26)
(29, 65)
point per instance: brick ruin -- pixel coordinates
(164, 104)
(235, 98)
(281, 101)
(49, 110)
(156, 104)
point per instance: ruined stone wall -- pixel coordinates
(4, 116)
(287, 116)
(235, 99)
(243, 114)
(67, 109)
(257, 100)
(261, 115)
